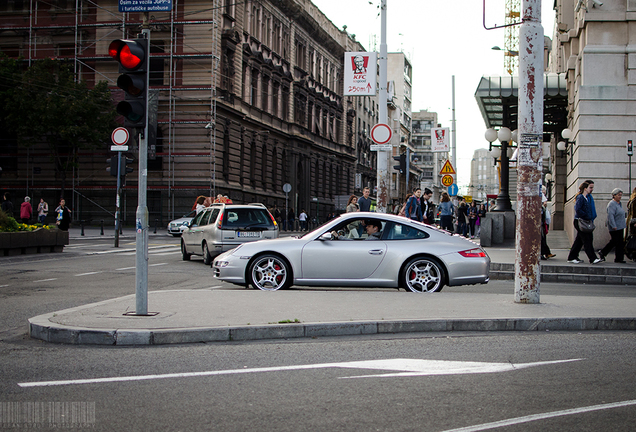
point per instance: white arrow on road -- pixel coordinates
(401, 367)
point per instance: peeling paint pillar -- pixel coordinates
(529, 157)
(382, 159)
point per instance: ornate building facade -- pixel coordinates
(248, 97)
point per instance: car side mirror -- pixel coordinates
(325, 236)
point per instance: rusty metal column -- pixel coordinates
(529, 157)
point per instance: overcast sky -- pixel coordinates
(442, 38)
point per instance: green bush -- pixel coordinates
(9, 224)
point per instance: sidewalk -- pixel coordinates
(186, 316)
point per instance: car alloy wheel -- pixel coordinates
(423, 275)
(207, 258)
(270, 273)
(184, 253)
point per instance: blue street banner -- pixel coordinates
(145, 5)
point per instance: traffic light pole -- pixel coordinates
(382, 159)
(141, 219)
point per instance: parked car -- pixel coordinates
(177, 226)
(222, 227)
(404, 254)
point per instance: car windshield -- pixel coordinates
(246, 218)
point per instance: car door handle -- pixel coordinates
(376, 251)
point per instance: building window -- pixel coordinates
(265, 94)
(301, 54)
(275, 90)
(254, 88)
(285, 103)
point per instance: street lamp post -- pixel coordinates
(504, 135)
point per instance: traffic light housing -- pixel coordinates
(132, 55)
(630, 148)
(112, 169)
(402, 160)
(123, 168)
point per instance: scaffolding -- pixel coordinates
(511, 42)
(184, 46)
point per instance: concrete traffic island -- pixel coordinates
(186, 316)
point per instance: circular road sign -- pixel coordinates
(381, 133)
(120, 136)
(447, 180)
(287, 188)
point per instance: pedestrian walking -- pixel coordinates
(277, 215)
(302, 217)
(584, 215)
(472, 218)
(364, 201)
(63, 219)
(413, 208)
(616, 224)
(43, 210)
(427, 207)
(291, 217)
(26, 211)
(352, 204)
(546, 219)
(462, 217)
(7, 205)
(481, 214)
(446, 209)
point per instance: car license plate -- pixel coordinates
(248, 234)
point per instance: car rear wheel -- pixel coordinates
(423, 275)
(184, 253)
(207, 258)
(270, 273)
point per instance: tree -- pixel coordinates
(49, 106)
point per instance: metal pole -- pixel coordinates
(382, 172)
(141, 219)
(454, 139)
(529, 157)
(117, 222)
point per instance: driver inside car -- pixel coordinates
(373, 228)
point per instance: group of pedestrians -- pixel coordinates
(62, 212)
(617, 220)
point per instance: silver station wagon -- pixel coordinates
(222, 227)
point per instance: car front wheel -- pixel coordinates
(423, 275)
(184, 253)
(270, 273)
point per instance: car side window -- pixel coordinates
(354, 229)
(399, 231)
(214, 214)
(197, 219)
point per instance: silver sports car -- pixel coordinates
(358, 249)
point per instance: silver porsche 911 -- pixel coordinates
(358, 250)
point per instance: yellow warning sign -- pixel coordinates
(447, 180)
(447, 168)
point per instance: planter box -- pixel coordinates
(39, 241)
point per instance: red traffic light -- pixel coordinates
(130, 54)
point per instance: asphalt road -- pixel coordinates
(328, 384)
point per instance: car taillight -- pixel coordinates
(273, 220)
(220, 221)
(473, 253)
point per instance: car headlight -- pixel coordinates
(221, 264)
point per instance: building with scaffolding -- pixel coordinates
(244, 98)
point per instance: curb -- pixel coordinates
(42, 328)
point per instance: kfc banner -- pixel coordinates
(360, 73)
(440, 139)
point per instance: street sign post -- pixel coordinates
(447, 168)
(447, 180)
(119, 137)
(453, 190)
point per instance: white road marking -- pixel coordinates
(89, 273)
(111, 251)
(424, 367)
(45, 280)
(535, 417)
(126, 268)
(2, 286)
(158, 264)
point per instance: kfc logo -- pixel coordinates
(359, 64)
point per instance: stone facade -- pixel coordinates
(595, 46)
(248, 97)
